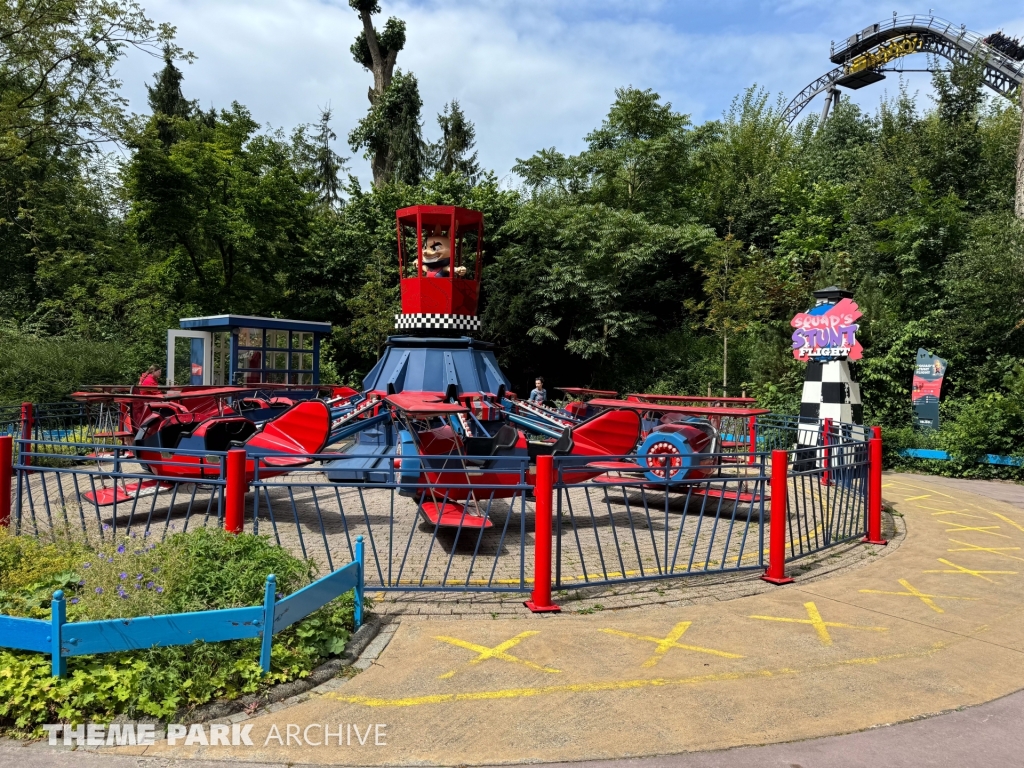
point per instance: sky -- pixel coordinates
(530, 74)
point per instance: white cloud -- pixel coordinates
(530, 73)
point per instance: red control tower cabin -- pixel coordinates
(440, 259)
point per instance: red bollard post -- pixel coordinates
(752, 438)
(27, 423)
(543, 491)
(776, 573)
(875, 489)
(826, 439)
(234, 491)
(6, 464)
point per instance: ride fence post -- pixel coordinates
(58, 617)
(360, 585)
(752, 436)
(540, 600)
(234, 491)
(875, 489)
(269, 599)
(6, 469)
(776, 573)
(826, 438)
(27, 425)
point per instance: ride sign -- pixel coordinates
(828, 334)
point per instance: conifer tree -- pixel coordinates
(454, 152)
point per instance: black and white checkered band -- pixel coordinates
(428, 321)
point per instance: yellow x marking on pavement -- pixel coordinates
(497, 652)
(980, 529)
(968, 571)
(1005, 519)
(952, 512)
(667, 643)
(820, 625)
(918, 498)
(991, 550)
(914, 592)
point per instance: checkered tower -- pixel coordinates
(829, 389)
(439, 295)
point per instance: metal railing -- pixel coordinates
(626, 526)
(613, 519)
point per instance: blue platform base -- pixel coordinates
(453, 367)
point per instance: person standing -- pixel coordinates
(539, 395)
(151, 378)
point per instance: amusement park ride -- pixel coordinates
(865, 56)
(435, 415)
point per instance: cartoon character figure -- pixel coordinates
(437, 255)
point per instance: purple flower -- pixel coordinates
(81, 582)
(106, 527)
(146, 534)
(138, 586)
(139, 577)
(159, 590)
(124, 595)
(99, 590)
(156, 570)
(123, 575)
(149, 585)
(120, 550)
(74, 600)
(87, 565)
(132, 535)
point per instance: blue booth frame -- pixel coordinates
(234, 323)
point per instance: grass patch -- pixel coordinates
(199, 570)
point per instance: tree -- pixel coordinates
(57, 59)
(1019, 195)
(327, 164)
(454, 152)
(166, 100)
(730, 298)
(391, 133)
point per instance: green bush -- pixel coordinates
(48, 369)
(200, 570)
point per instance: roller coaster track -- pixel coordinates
(862, 56)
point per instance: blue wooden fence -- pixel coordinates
(62, 639)
(988, 458)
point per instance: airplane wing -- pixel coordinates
(424, 404)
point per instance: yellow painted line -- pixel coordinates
(820, 625)
(1001, 551)
(987, 529)
(667, 643)
(914, 592)
(919, 488)
(1005, 519)
(961, 570)
(917, 498)
(618, 685)
(497, 652)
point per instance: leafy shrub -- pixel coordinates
(48, 369)
(200, 570)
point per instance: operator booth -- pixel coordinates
(231, 350)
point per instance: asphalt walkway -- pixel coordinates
(934, 626)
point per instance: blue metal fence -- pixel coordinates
(619, 526)
(63, 639)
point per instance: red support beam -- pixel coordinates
(27, 424)
(875, 489)
(776, 573)
(234, 491)
(540, 600)
(826, 441)
(6, 467)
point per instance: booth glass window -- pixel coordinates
(274, 357)
(221, 357)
